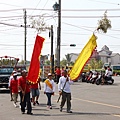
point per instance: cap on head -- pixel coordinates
(24, 71)
(13, 71)
(49, 74)
(15, 74)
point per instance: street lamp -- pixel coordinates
(56, 6)
(72, 45)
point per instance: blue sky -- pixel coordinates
(74, 30)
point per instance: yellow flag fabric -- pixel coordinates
(83, 58)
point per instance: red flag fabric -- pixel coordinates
(34, 69)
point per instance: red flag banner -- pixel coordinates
(34, 69)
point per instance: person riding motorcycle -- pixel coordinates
(108, 74)
(94, 77)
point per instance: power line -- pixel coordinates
(12, 19)
(114, 16)
(70, 10)
(20, 44)
(15, 25)
(88, 16)
(89, 30)
(44, 5)
(8, 10)
(77, 26)
(10, 5)
(75, 10)
(8, 29)
(104, 2)
(36, 6)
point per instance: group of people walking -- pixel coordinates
(27, 90)
(22, 86)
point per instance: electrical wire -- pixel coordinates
(10, 5)
(36, 6)
(64, 10)
(44, 5)
(104, 2)
(12, 19)
(8, 29)
(89, 30)
(114, 16)
(77, 26)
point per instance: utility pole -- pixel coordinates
(52, 55)
(59, 34)
(25, 26)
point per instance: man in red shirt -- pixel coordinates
(58, 74)
(14, 88)
(35, 91)
(11, 77)
(24, 87)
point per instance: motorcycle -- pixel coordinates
(107, 81)
(82, 78)
(94, 77)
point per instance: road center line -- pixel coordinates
(116, 115)
(97, 103)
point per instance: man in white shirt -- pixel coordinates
(64, 90)
(108, 72)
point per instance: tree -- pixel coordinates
(21, 62)
(63, 62)
(68, 58)
(96, 64)
(47, 62)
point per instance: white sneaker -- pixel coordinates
(48, 106)
(15, 104)
(19, 106)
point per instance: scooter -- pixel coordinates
(82, 78)
(94, 77)
(107, 81)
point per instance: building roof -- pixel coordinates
(114, 54)
(106, 49)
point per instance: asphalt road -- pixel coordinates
(89, 102)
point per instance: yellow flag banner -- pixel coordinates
(83, 58)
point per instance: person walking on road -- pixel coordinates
(58, 74)
(49, 89)
(11, 77)
(14, 89)
(65, 92)
(35, 92)
(24, 87)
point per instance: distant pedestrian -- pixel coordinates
(49, 89)
(64, 90)
(24, 87)
(11, 77)
(58, 74)
(14, 89)
(35, 91)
